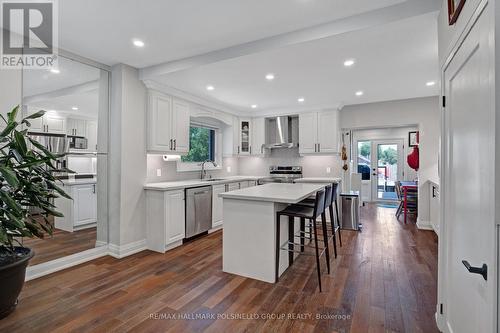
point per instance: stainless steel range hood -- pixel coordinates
(282, 132)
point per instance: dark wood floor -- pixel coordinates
(383, 280)
(61, 244)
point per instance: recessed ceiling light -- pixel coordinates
(430, 83)
(210, 88)
(138, 43)
(349, 62)
(55, 71)
(270, 76)
(301, 99)
(359, 93)
(254, 106)
(74, 108)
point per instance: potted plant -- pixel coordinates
(27, 180)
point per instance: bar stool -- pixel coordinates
(330, 201)
(311, 214)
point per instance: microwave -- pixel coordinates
(78, 142)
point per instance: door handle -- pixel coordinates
(483, 270)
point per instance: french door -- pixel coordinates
(380, 163)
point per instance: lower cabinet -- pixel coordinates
(217, 205)
(166, 226)
(79, 213)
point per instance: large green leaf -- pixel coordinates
(35, 115)
(20, 142)
(9, 175)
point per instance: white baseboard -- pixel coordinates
(424, 225)
(121, 251)
(215, 229)
(36, 271)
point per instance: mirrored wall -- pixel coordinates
(75, 96)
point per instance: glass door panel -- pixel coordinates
(388, 164)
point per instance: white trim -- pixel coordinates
(36, 271)
(121, 251)
(219, 227)
(424, 225)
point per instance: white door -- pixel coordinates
(328, 132)
(258, 136)
(308, 125)
(85, 204)
(176, 223)
(468, 177)
(363, 165)
(387, 168)
(180, 128)
(55, 124)
(217, 204)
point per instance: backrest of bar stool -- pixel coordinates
(319, 204)
(335, 191)
(328, 195)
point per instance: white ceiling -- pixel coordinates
(86, 102)
(174, 29)
(393, 61)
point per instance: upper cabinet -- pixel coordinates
(49, 123)
(258, 136)
(245, 145)
(319, 132)
(76, 127)
(168, 124)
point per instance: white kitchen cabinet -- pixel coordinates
(91, 135)
(217, 205)
(76, 127)
(79, 213)
(232, 187)
(245, 137)
(165, 219)
(49, 123)
(168, 124)
(319, 132)
(175, 216)
(258, 136)
(434, 206)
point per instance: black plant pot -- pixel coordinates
(12, 275)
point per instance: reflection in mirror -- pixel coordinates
(75, 98)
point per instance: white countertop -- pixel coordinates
(167, 186)
(274, 192)
(319, 180)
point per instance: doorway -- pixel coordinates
(380, 163)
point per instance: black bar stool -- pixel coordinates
(330, 201)
(311, 214)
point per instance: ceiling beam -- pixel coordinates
(407, 9)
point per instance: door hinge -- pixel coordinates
(444, 101)
(441, 308)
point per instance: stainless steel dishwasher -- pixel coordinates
(198, 210)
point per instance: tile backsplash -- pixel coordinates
(313, 166)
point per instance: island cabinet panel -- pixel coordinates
(165, 219)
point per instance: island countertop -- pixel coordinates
(274, 192)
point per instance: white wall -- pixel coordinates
(127, 157)
(423, 112)
(11, 87)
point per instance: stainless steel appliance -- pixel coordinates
(349, 202)
(198, 210)
(282, 132)
(56, 144)
(282, 174)
(78, 142)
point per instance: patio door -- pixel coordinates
(380, 163)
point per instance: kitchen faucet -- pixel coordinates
(203, 171)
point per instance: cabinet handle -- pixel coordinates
(238, 149)
(250, 149)
(261, 149)
(433, 191)
(93, 189)
(170, 144)
(175, 144)
(319, 147)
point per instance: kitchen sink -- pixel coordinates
(212, 179)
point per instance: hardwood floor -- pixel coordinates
(384, 279)
(61, 244)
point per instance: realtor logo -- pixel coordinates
(29, 34)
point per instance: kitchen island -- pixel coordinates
(249, 237)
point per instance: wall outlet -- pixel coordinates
(228, 169)
(328, 170)
(158, 172)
